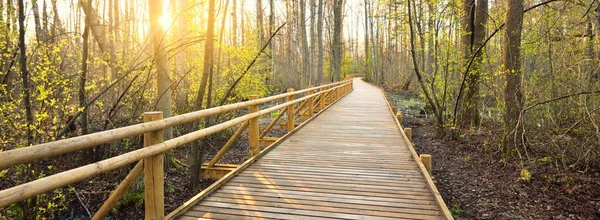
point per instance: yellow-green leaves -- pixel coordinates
(525, 175)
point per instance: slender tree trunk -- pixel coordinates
(163, 78)
(83, 73)
(513, 94)
(368, 71)
(305, 70)
(259, 23)
(180, 58)
(197, 146)
(320, 42)
(25, 73)
(234, 24)
(271, 30)
(312, 41)
(36, 20)
(96, 27)
(29, 207)
(338, 21)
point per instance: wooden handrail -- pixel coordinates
(49, 183)
(60, 147)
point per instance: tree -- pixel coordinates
(338, 8)
(305, 70)
(320, 43)
(259, 23)
(197, 146)
(474, 24)
(163, 78)
(84, 69)
(513, 94)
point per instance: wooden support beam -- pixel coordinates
(266, 141)
(123, 187)
(290, 112)
(154, 192)
(426, 160)
(254, 129)
(217, 171)
(408, 132)
(227, 145)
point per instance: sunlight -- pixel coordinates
(166, 20)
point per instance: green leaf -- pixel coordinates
(525, 175)
(3, 173)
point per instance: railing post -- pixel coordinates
(154, 200)
(254, 129)
(426, 160)
(290, 112)
(408, 132)
(311, 105)
(327, 98)
(322, 98)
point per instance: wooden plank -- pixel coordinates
(326, 179)
(323, 206)
(314, 213)
(334, 186)
(324, 201)
(316, 193)
(248, 214)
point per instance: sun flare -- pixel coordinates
(166, 20)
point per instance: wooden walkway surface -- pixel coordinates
(350, 162)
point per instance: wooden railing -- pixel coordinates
(150, 158)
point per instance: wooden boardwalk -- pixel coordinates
(350, 162)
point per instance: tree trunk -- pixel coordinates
(163, 78)
(180, 58)
(96, 27)
(513, 94)
(338, 21)
(39, 35)
(259, 23)
(368, 72)
(271, 30)
(475, 38)
(197, 146)
(305, 70)
(234, 24)
(24, 73)
(83, 73)
(320, 42)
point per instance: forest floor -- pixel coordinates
(476, 184)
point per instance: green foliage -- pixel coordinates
(135, 197)
(456, 211)
(525, 175)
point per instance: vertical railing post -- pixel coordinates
(311, 105)
(328, 96)
(322, 98)
(290, 112)
(154, 200)
(254, 129)
(408, 132)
